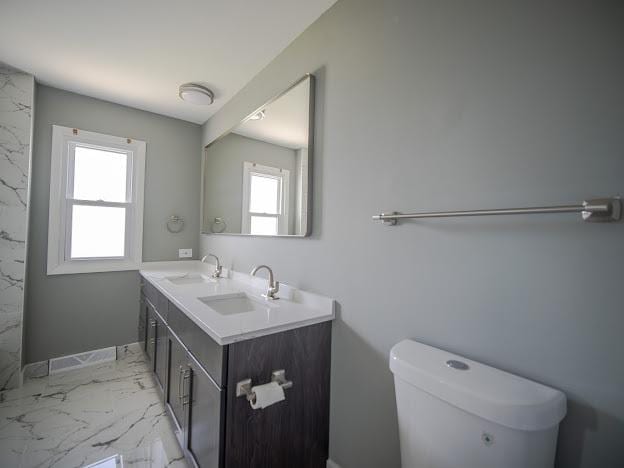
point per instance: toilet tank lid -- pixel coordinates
(484, 391)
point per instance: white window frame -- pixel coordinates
(64, 141)
(249, 169)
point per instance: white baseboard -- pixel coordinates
(35, 370)
(332, 464)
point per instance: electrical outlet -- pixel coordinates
(185, 253)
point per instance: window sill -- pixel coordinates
(95, 266)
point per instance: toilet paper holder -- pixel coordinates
(243, 388)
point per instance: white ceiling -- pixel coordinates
(138, 52)
(285, 122)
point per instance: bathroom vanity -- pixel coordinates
(204, 338)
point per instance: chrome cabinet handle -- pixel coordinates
(186, 376)
(180, 372)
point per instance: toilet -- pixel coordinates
(458, 413)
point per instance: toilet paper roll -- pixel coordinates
(267, 395)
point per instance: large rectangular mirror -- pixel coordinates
(256, 177)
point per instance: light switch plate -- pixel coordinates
(185, 253)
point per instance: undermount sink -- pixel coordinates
(190, 278)
(236, 303)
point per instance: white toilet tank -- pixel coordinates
(458, 413)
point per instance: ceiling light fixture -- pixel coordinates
(259, 116)
(196, 94)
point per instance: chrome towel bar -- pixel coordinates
(594, 210)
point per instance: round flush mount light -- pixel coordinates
(258, 116)
(196, 94)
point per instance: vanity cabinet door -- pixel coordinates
(293, 432)
(208, 352)
(161, 354)
(142, 329)
(204, 399)
(150, 348)
(178, 370)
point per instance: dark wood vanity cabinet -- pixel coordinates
(161, 351)
(175, 392)
(142, 335)
(293, 434)
(156, 347)
(150, 347)
(205, 403)
(198, 378)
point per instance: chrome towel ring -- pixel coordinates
(175, 224)
(218, 226)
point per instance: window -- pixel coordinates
(265, 200)
(96, 202)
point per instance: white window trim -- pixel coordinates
(283, 220)
(62, 138)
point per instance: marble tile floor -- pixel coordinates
(81, 417)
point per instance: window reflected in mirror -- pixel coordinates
(256, 179)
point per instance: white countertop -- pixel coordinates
(293, 309)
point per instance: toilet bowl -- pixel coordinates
(454, 412)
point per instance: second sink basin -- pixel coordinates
(190, 278)
(236, 303)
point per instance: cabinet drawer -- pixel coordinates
(162, 305)
(158, 300)
(149, 291)
(207, 352)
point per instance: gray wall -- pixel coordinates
(434, 105)
(223, 193)
(73, 313)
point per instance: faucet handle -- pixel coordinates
(272, 290)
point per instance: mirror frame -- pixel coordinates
(311, 114)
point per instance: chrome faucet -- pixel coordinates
(217, 271)
(273, 285)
